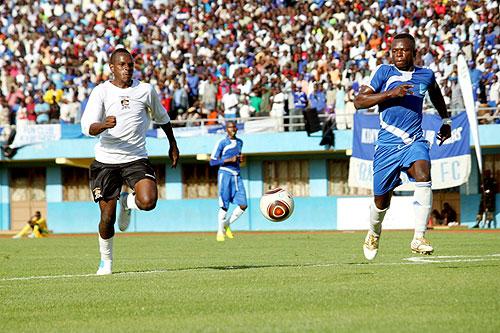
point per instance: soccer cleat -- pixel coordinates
(421, 246)
(104, 268)
(229, 233)
(370, 247)
(16, 237)
(124, 214)
(220, 237)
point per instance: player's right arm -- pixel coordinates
(216, 156)
(368, 98)
(92, 121)
(372, 94)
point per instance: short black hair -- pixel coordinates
(118, 51)
(406, 36)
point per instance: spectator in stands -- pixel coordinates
(69, 110)
(36, 227)
(193, 81)
(278, 107)
(42, 110)
(324, 41)
(192, 116)
(208, 92)
(54, 111)
(30, 109)
(4, 112)
(52, 95)
(246, 110)
(231, 104)
(180, 101)
(317, 99)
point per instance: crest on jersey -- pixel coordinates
(97, 193)
(125, 102)
(422, 89)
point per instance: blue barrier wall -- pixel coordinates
(316, 212)
(194, 215)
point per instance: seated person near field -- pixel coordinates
(435, 218)
(36, 227)
(449, 215)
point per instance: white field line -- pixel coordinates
(406, 261)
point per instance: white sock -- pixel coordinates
(222, 220)
(236, 214)
(422, 204)
(106, 248)
(131, 201)
(376, 219)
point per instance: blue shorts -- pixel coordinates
(389, 161)
(231, 190)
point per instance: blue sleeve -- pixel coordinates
(378, 78)
(216, 157)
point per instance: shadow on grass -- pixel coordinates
(231, 267)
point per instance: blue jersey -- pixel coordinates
(401, 117)
(227, 148)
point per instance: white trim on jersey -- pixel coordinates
(235, 173)
(396, 131)
(216, 147)
(229, 146)
(404, 77)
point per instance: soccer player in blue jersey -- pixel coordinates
(399, 91)
(227, 155)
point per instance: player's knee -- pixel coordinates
(107, 217)
(146, 203)
(422, 177)
(244, 207)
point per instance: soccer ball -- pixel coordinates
(276, 205)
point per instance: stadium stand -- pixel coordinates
(52, 53)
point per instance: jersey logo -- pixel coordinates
(125, 102)
(422, 89)
(97, 193)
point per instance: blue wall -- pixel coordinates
(194, 215)
(316, 212)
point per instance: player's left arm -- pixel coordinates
(161, 117)
(437, 100)
(173, 151)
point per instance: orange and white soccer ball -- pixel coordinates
(276, 205)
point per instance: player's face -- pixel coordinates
(122, 67)
(403, 53)
(231, 130)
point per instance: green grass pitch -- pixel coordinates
(258, 282)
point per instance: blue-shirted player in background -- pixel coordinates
(227, 155)
(399, 91)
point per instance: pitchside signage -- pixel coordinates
(450, 162)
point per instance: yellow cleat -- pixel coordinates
(421, 246)
(229, 233)
(370, 246)
(220, 237)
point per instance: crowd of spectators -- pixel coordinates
(211, 59)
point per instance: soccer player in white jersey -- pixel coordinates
(119, 112)
(399, 91)
(227, 155)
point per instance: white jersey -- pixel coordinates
(133, 108)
